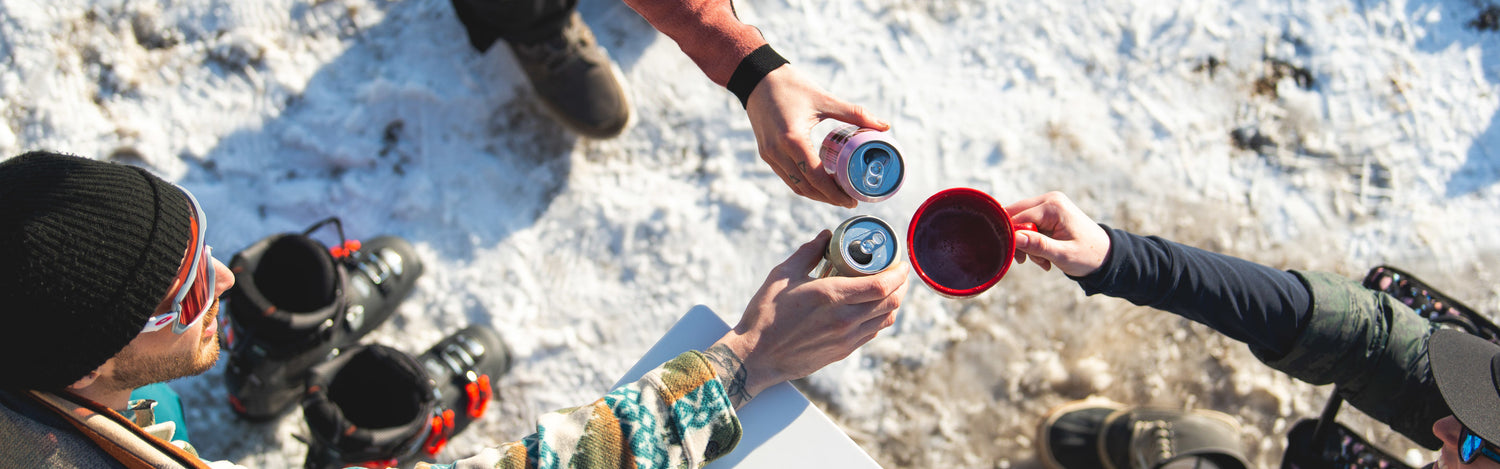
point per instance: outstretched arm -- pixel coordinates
(1248, 302)
(682, 413)
(1317, 327)
(708, 31)
(782, 105)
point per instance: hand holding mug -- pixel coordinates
(1065, 236)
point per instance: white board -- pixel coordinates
(782, 429)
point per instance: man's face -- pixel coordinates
(162, 355)
(1449, 430)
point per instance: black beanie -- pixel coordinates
(88, 250)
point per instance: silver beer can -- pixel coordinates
(862, 245)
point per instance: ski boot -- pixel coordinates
(295, 301)
(375, 406)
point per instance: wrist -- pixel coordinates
(751, 70)
(729, 369)
(740, 369)
(1096, 272)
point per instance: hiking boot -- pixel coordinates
(1097, 433)
(577, 82)
(295, 301)
(1069, 435)
(376, 406)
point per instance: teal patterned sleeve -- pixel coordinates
(677, 416)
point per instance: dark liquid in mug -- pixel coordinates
(959, 248)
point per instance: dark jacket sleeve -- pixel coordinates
(1317, 327)
(1248, 302)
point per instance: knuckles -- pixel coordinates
(888, 283)
(1056, 199)
(895, 301)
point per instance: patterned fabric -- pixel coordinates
(677, 416)
(1374, 348)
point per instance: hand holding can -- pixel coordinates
(797, 324)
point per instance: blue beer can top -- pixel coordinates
(868, 245)
(875, 169)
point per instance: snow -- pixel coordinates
(279, 113)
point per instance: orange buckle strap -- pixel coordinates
(480, 394)
(344, 250)
(442, 428)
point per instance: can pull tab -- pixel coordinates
(875, 169)
(863, 251)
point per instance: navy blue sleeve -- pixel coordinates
(1260, 306)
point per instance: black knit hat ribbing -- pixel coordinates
(88, 250)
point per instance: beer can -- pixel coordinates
(862, 245)
(866, 163)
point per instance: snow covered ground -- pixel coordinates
(1326, 134)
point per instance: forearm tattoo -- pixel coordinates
(732, 373)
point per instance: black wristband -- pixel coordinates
(751, 70)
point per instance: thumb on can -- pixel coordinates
(806, 257)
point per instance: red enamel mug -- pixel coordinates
(961, 242)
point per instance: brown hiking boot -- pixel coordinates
(576, 81)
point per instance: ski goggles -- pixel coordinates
(194, 293)
(1470, 446)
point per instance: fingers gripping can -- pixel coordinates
(863, 245)
(866, 163)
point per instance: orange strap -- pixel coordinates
(442, 428)
(344, 250)
(480, 393)
(76, 410)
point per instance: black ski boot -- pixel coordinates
(295, 301)
(375, 406)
